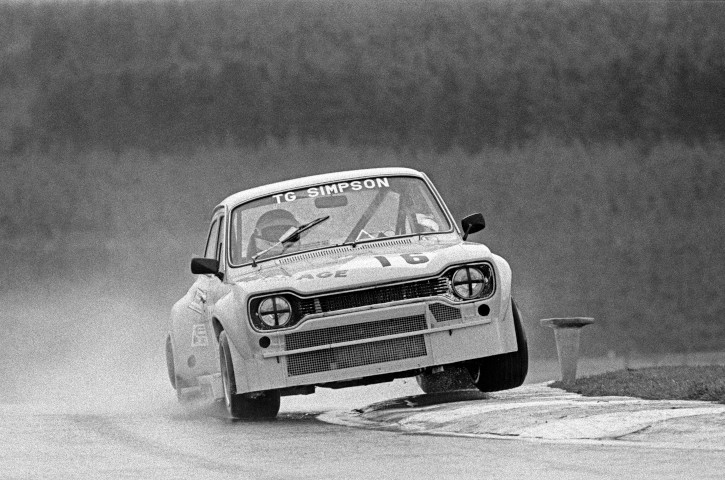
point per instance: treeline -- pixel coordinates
(170, 75)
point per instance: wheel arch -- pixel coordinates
(170, 360)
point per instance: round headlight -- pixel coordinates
(275, 311)
(468, 282)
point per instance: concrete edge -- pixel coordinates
(601, 421)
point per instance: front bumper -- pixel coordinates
(377, 341)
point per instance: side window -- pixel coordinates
(219, 244)
(211, 241)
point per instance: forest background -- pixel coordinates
(589, 134)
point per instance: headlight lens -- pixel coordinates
(275, 311)
(468, 282)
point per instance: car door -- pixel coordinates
(193, 347)
(210, 289)
(201, 285)
(203, 344)
(214, 286)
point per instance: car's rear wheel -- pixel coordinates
(255, 405)
(178, 382)
(170, 361)
(505, 371)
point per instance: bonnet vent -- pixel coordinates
(388, 243)
(316, 254)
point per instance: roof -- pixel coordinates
(287, 185)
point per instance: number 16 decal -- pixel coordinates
(411, 258)
(414, 259)
(383, 261)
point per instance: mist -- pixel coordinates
(82, 346)
(602, 187)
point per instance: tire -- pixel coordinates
(505, 371)
(177, 382)
(258, 405)
(170, 361)
(450, 379)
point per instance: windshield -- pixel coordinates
(360, 210)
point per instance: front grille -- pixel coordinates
(360, 331)
(444, 313)
(356, 355)
(374, 296)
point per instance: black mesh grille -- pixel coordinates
(304, 307)
(356, 355)
(360, 331)
(375, 296)
(444, 313)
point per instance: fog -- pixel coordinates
(604, 190)
(97, 249)
(85, 347)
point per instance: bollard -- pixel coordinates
(567, 332)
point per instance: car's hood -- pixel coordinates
(366, 264)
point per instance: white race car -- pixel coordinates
(338, 280)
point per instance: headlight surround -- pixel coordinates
(472, 282)
(274, 312)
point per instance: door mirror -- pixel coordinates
(472, 224)
(203, 266)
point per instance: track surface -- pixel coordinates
(163, 440)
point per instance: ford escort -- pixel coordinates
(338, 280)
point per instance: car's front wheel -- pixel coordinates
(505, 371)
(452, 378)
(255, 405)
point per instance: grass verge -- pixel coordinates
(705, 383)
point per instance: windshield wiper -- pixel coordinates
(294, 235)
(290, 236)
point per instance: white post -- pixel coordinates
(567, 332)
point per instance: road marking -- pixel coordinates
(563, 418)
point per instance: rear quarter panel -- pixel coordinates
(192, 338)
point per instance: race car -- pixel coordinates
(338, 280)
